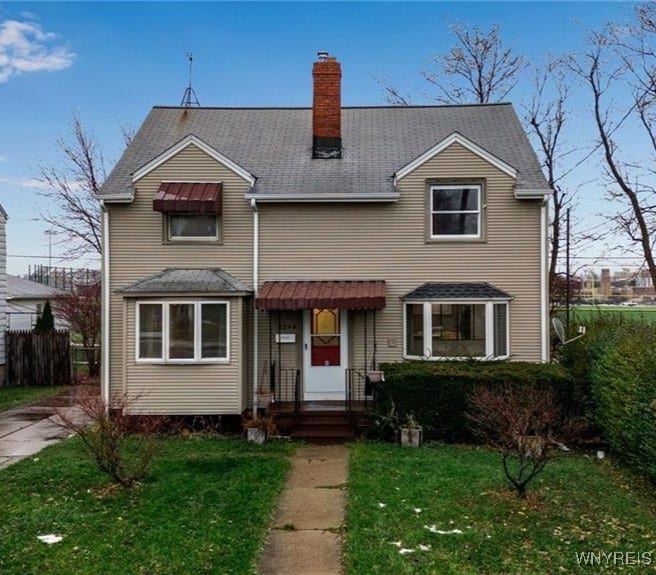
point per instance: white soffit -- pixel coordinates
(192, 140)
(456, 138)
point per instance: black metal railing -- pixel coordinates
(359, 390)
(284, 384)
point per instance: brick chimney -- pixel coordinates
(327, 107)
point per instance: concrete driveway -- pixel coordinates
(26, 430)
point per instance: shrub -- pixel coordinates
(121, 445)
(624, 394)
(523, 422)
(436, 393)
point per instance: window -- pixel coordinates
(183, 227)
(456, 330)
(455, 211)
(180, 332)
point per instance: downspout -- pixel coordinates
(544, 291)
(256, 262)
(105, 305)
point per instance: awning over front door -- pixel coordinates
(347, 294)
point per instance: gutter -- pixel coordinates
(105, 306)
(544, 290)
(317, 198)
(256, 266)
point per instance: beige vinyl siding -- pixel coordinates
(388, 241)
(188, 388)
(138, 249)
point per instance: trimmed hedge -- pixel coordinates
(437, 393)
(624, 394)
(616, 361)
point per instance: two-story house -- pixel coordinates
(297, 248)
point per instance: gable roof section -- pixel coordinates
(276, 145)
(183, 144)
(188, 280)
(455, 138)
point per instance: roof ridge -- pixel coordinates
(363, 107)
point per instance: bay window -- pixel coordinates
(182, 331)
(456, 330)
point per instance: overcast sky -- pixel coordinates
(111, 62)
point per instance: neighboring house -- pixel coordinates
(243, 245)
(25, 302)
(3, 290)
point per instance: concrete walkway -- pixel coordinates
(26, 430)
(305, 537)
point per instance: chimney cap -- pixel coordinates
(322, 55)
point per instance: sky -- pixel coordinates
(111, 62)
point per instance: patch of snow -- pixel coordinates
(50, 538)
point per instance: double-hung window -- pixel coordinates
(455, 211)
(456, 330)
(182, 331)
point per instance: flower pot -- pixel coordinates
(256, 435)
(411, 436)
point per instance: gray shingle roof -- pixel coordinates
(456, 291)
(275, 144)
(188, 280)
(19, 288)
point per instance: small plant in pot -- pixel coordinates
(258, 429)
(411, 434)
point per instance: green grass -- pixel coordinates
(11, 397)
(586, 312)
(204, 509)
(577, 505)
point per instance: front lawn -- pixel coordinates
(11, 397)
(204, 508)
(400, 499)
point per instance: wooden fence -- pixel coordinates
(38, 358)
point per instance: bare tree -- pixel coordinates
(477, 69)
(72, 187)
(546, 116)
(623, 59)
(72, 209)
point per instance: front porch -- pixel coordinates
(318, 420)
(319, 363)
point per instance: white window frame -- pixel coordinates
(428, 329)
(171, 238)
(197, 359)
(478, 212)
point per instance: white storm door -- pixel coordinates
(325, 354)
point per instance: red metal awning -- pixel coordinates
(347, 294)
(188, 197)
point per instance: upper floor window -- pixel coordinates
(193, 227)
(455, 211)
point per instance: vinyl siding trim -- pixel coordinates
(456, 138)
(192, 140)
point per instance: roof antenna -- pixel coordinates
(190, 99)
